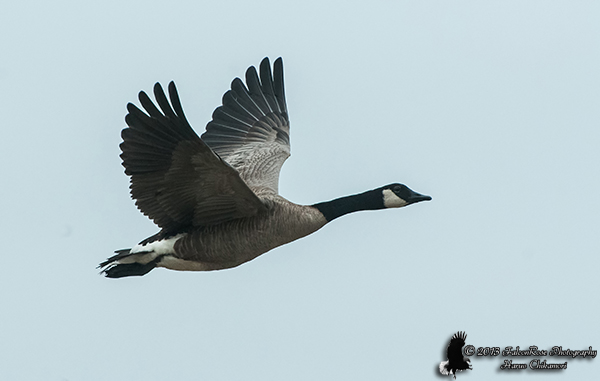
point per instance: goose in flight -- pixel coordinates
(215, 197)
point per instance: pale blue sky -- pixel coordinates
(492, 108)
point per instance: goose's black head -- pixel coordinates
(399, 195)
(389, 196)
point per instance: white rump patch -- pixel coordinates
(391, 200)
(161, 247)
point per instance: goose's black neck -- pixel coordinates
(369, 200)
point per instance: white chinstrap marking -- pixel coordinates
(391, 200)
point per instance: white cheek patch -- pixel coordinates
(391, 200)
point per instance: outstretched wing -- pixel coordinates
(176, 179)
(454, 352)
(250, 131)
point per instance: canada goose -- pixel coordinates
(216, 198)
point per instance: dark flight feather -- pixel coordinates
(174, 174)
(251, 115)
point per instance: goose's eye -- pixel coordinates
(396, 189)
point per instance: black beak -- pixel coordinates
(415, 197)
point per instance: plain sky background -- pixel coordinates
(490, 107)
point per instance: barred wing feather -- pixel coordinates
(250, 131)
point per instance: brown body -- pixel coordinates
(235, 242)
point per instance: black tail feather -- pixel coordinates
(113, 269)
(120, 254)
(130, 269)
